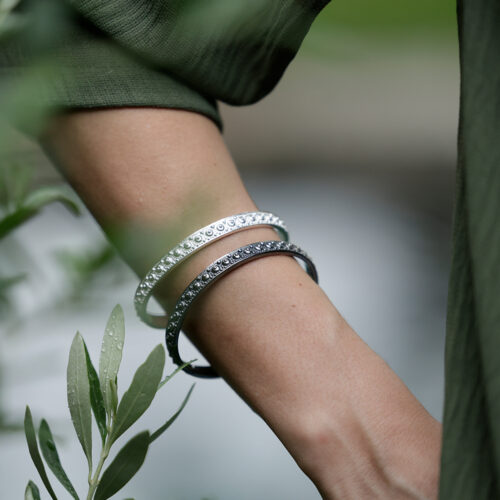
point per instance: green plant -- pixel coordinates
(20, 201)
(88, 270)
(91, 393)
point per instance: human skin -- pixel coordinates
(152, 177)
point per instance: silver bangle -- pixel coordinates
(209, 276)
(188, 247)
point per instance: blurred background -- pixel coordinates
(355, 149)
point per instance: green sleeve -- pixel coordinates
(470, 464)
(185, 54)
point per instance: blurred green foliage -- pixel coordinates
(390, 17)
(20, 201)
(88, 270)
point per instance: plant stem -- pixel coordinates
(94, 481)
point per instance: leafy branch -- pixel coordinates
(90, 393)
(19, 201)
(32, 205)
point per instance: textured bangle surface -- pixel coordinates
(188, 247)
(209, 276)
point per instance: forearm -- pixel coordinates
(151, 177)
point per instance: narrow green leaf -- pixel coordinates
(96, 399)
(111, 354)
(29, 430)
(175, 372)
(156, 434)
(51, 194)
(141, 392)
(79, 396)
(14, 220)
(49, 452)
(6, 283)
(32, 205)
(121, 470)
(32, 492)
(114, 396)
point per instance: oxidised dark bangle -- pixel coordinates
(209, 276)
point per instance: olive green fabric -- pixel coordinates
(232, 50)
(190, 53)
(471, 440)
(178, 53)
(83, 67)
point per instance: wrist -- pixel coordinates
(349, 452)
(345, 461)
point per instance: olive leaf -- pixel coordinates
(96, 398)
(141, 392)
(6, 284)
(49, 194)
(79, 395)
(49, 452)
(114, 396)
(175, 372)
(29, 430)
(33, 204)
(156, 434)
(127, 462)
(111, 354)
(31, 492)
(16, 180)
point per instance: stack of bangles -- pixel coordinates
(211, 274)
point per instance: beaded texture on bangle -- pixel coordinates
(188, 247)
(209, 276)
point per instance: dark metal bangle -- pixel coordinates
(209, 276)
